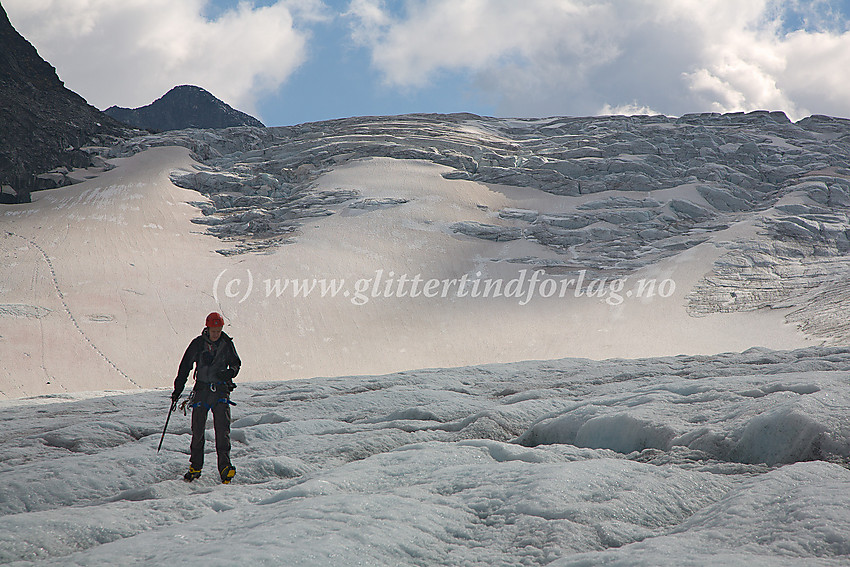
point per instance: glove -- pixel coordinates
(175, 395)
(231, 385)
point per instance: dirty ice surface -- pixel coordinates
(689, 460)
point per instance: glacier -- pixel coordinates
(706, 426)
(687, 460)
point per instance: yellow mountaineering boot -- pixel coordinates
(227, 474)
(192, 474)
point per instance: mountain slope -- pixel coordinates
(182, 107)
(43, 125)
(379, 244)
(116, 272)
(768, 198)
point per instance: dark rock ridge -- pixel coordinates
(43, 125)
(183, 107)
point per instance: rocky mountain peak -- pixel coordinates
(184, 106)
(43, 125)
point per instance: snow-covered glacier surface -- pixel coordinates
(743, 221)
(773, 196)
(688, 460)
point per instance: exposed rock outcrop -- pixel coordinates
(43, 125)
(183, 107)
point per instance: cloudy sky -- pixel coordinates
(293, 61)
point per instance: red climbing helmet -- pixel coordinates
(215, 320)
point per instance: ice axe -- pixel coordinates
(173, 405)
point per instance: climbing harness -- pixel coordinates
(213, 386)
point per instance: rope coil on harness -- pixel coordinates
(187, 401)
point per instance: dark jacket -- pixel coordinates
(215, 362)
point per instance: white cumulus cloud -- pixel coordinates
(130, 52)
(545, 57)
(522, 57)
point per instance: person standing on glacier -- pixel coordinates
(216, 365)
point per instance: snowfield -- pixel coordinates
(689, 460)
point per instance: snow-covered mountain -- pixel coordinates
(369, 249)
(773, 195)
(373, 245)
(377, 245)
